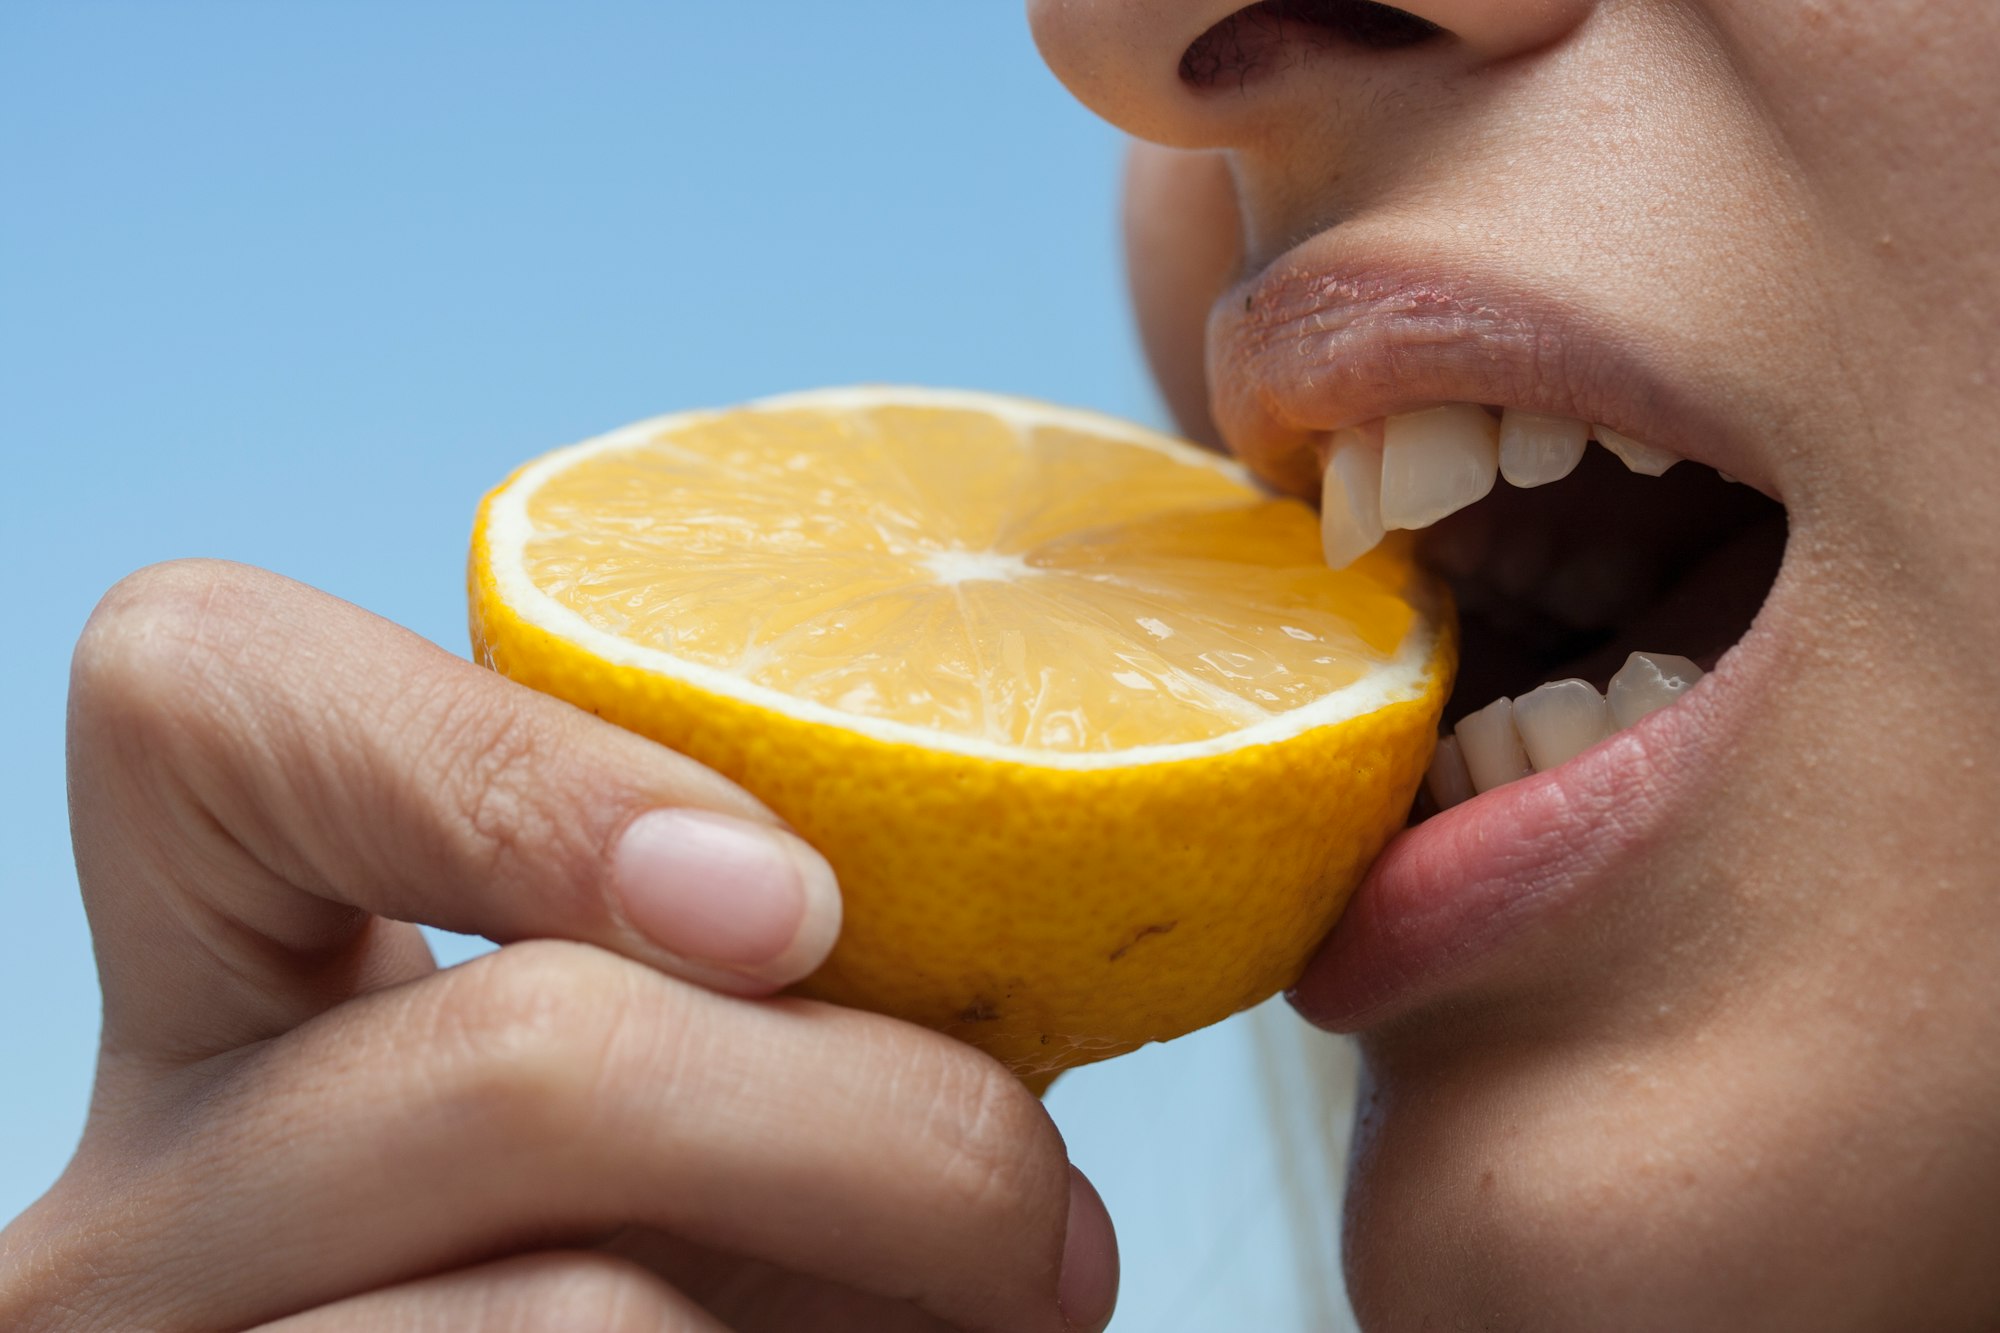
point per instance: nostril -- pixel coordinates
(1262, 37)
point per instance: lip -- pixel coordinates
(1352, 325)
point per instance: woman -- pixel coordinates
(1694, 1031)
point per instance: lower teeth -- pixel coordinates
(1647, 683)
(1560, 720)
(1551, 724)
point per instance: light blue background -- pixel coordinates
(293, 283)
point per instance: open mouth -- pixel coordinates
(1598, 578)
(1576, 497)
(1598, 583)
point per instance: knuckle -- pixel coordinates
(1001, 1156)
(499, 762)
(580, 1290)
(525, 1041)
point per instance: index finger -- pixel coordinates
(259, 771)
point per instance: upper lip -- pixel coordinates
(1338, 331)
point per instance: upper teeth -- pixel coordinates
(1639, 457)
(1412, 469)
(1436, 462)
(1351, 497)
(1550, 725)
(1536, 448)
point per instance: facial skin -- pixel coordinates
(1746, 1075)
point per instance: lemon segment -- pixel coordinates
(1096, 744)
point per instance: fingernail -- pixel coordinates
(1087, 1291)
(718, 889)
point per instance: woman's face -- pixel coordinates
(1701, 1028)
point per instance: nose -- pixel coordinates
(1205, 73)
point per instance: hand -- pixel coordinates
(300, 1123)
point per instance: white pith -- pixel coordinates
(509, 530)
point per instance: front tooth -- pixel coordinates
(1639, 457)
(1492, 746)
(1436, 462)
(1560, 720)
(1350, 502)
(1536, 448)
(1448, 780)
(1647, 683)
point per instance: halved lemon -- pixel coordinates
(1096, 743)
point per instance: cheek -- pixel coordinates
(1760, 1171)
(1183, 246)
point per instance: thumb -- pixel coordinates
(259, 772)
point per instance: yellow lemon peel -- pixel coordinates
(1096, 744)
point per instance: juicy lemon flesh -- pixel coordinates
(993, 660)
(952, 572)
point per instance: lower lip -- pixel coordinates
(1447, 896)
